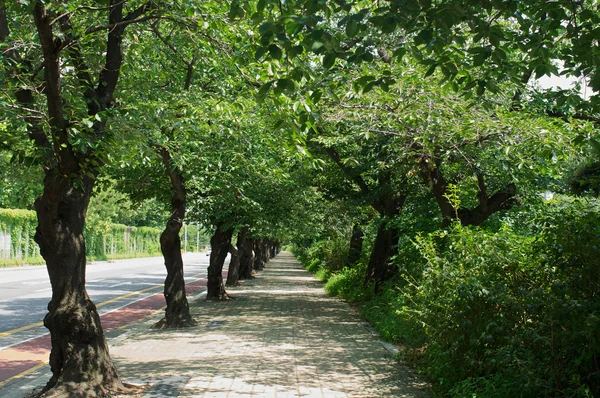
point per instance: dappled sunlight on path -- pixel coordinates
(282, 336)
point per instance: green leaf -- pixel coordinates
(329, 60)
(481, 87)
(369, 86)
(480, 58)
(388, 24)
(264, 89)
(275, 51)
(595, 146)
(316, 46)
(431, 70)
(351, 28)
(267, 27)
(260, 51)
(316, 96)
(541, 70)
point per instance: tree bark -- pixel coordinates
(177, 313)
(220, 242)
(233, 274)
(246, 258)
(486, 206)
(258, 255)
(79, 357)
(385, 247)
(356, 245)
(237, 253)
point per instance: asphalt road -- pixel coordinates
(25, 291)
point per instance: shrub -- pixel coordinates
(348, 283)
(513, 315)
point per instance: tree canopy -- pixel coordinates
(385, 142)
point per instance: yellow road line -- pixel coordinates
(24, 373)
(112, 300)
(22, 328)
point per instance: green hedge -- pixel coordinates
(103, 239)
(17, 228)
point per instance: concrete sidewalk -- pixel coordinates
(281, 337)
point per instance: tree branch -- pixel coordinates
(121, 24)
(114, 51)
(63, 151)
(51, 70)
(177, 182)
(355, 177)
(81, 69)
(578, 116)
(154, 28)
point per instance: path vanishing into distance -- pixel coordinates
(282, 336)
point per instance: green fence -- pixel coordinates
(103, 240)
(17, 228)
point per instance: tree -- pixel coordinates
(69, 135)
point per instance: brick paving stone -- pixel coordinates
(283, 337)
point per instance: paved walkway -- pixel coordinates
(281, 337)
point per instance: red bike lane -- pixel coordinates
(32, 354)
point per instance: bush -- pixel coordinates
(348, 284)
(327, 254)
(513, 315)
(323, 274)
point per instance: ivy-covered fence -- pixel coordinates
(17, 228)
(107, 240)
(103, 239)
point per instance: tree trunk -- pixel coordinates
(356, 245)
(258, 255)
(379, 268)
(233, 275)
(385, 247)
(79, 357)
(177, 313)
(246, 258)
(486, 206)
(220, 242)
(266, 253)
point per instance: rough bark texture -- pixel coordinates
(220, 243)
(264, 248)
(237, 253)
(177, 313)
(379, 268)
(356, 245)
(486, 206)
(258, 255)
(79, 357)
(233, 275)
(246, 258)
